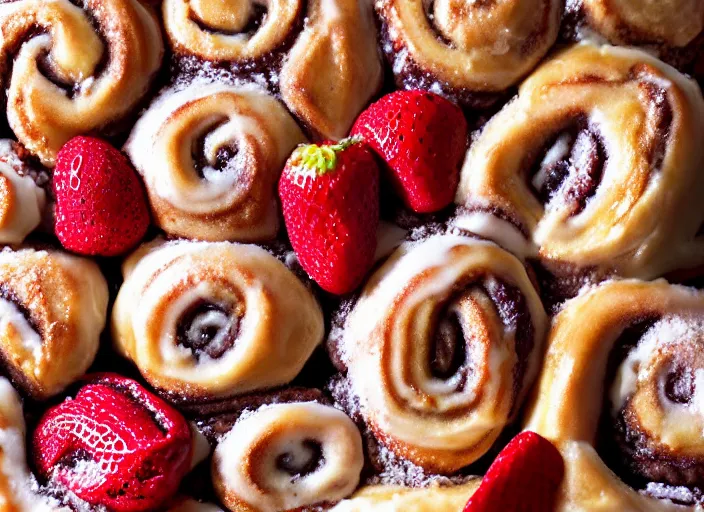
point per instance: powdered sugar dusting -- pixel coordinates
(666, 334)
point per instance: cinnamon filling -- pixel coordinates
(515, 315)
(303, 460)
(449, 350)
(662, 118)
(47, 68)
(10, 296)
(223, 156)
(209, 329)
(450, 357)
(679, 385)
(569, 171)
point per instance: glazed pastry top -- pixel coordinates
(536, 300)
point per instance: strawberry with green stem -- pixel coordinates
(330, 199)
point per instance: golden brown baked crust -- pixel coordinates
(457, 47)
(211, 156)
(672, 22)
(323, 450)
(331, 66)
(264, 323)
(569, 397)
(103, 70)
(621, 131)
(53, 308)
(399, 499)
(480, 301)
(22, 200)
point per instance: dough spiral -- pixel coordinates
(630, 350)
(211, 156)
(74, 69)
(441, 348)
(286, 457)
(52, 310)
(320, 55)
(594, 166)
(467, 50)
(212, 320)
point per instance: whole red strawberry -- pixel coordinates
(330, 199)
(422, 137)
(525, 477)
(114, 445)
(101, 207)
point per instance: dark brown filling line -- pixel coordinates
(574, 175)
(46, 67)
(224, 155)
(213, 337)
(448, 352)
(314, 459)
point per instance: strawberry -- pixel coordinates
(114, 445)
(330, 199)
(422, 137)
(525, 477)
(101, 207)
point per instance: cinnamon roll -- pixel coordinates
(18, 488)
(288, 456)
(211, 156)
(52, 311)
(632, 351)
(672, 28)
(320, 55)
(469, 51)
(22, 199)
(212, 320)
(74, 67)
(399, 499)
(594, 168)
(440, 349)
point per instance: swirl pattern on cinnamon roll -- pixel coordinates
(17, 485)
(631, 349)
(441, 348)
(288, 456)
(467, 50)
(212, 320)
(22, 199)
(211, 156)
(675, 23)
(320, 55)
(75, 67)
(596, 164)
(52, 310)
